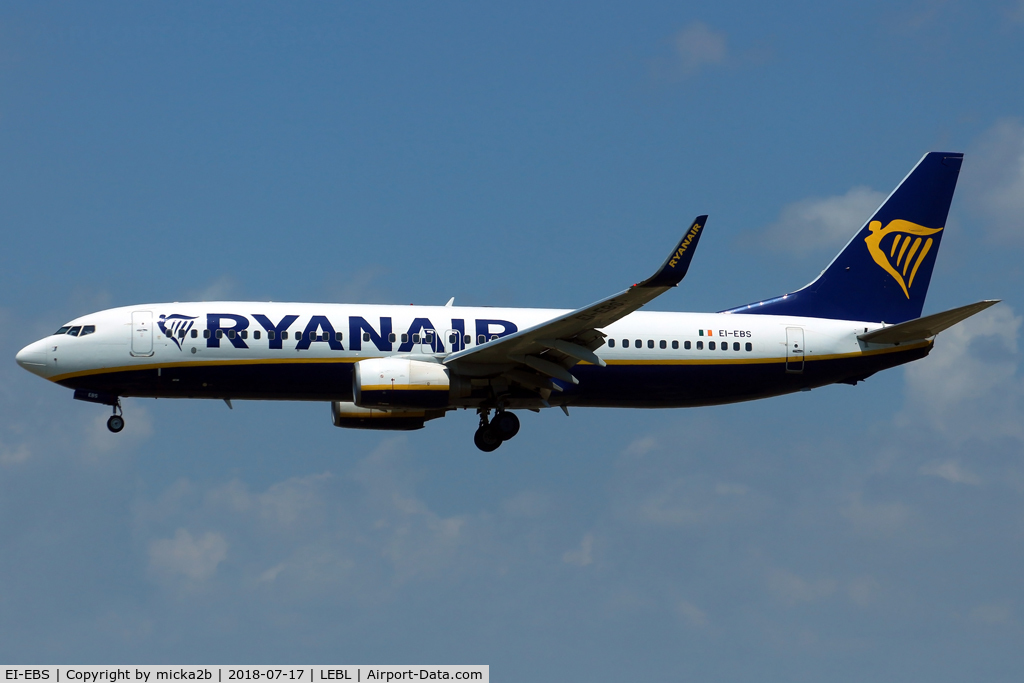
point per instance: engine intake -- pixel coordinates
(400, 383)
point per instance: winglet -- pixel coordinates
(673, 270)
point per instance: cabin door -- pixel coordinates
(794, 349)
(142, 333)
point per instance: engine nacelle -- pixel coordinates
(400, 383)
(345, 414)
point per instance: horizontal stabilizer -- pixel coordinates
(923, 328)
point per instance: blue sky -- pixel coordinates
(526, 156)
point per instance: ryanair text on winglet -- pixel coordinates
(684, 245)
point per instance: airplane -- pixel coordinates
(397, 367)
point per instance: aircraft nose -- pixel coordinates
(33, 358)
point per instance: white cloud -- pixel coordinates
(527, 504)
(195, 558)
(862, 591)
(582, 555)
(138, 426)
(876, 519)
(951, 471)
(818, 223)
(641, 446)
(221, 289)
(795, 589)
(14, 455)
(991, 614)
(969, 386)
(693, 614)
(724, 489)
(698, 46)
(295, 500)
(994, 180)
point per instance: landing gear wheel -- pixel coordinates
(115, 423)
(506, 424)
(487, 438)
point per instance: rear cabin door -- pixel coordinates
(142, 333)
(794, 349)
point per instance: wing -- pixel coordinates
(531, 356)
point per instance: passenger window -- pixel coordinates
(338, 336)
(392, 337)
(415, 339)
(711, 346)
(405, 338)
(735, 346)
(271, 334)
(453, 338)
(75, 330)
(625, 343)
(284, 334)
(428, 338)
(639, 343)
(493, 337)
(663, 344)
(650, 343)
(206, 334)
(195, 333)
(750, 347)
(244, 334)
(63, 330)
(611, 343)
(366, 336)
(675, 343)
(88, 329)
(255, 334)
(231, 334)
(686, 344)
(181, 334)
(700, 345)
(466, 339)
(480, 339)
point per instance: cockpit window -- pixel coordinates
(75, 330)
(63, 330)
(87, 329)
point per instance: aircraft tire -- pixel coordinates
(115, 423)
(506, 425)
(487, 439)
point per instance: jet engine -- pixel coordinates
(345, 414)
(390, 383)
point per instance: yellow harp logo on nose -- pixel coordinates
(907, 241)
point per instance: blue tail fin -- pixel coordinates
(883, 272)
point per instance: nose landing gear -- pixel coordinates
(491, 433)
(115, 422)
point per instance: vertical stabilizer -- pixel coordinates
(883, 272)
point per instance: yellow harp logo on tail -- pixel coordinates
(908, 241)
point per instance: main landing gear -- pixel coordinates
(492, 433)
(115, 422)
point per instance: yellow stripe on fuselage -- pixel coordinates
(653, 361)
(404, 387)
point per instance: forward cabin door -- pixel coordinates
(142, 333)
(794, 349)
(428, 341)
